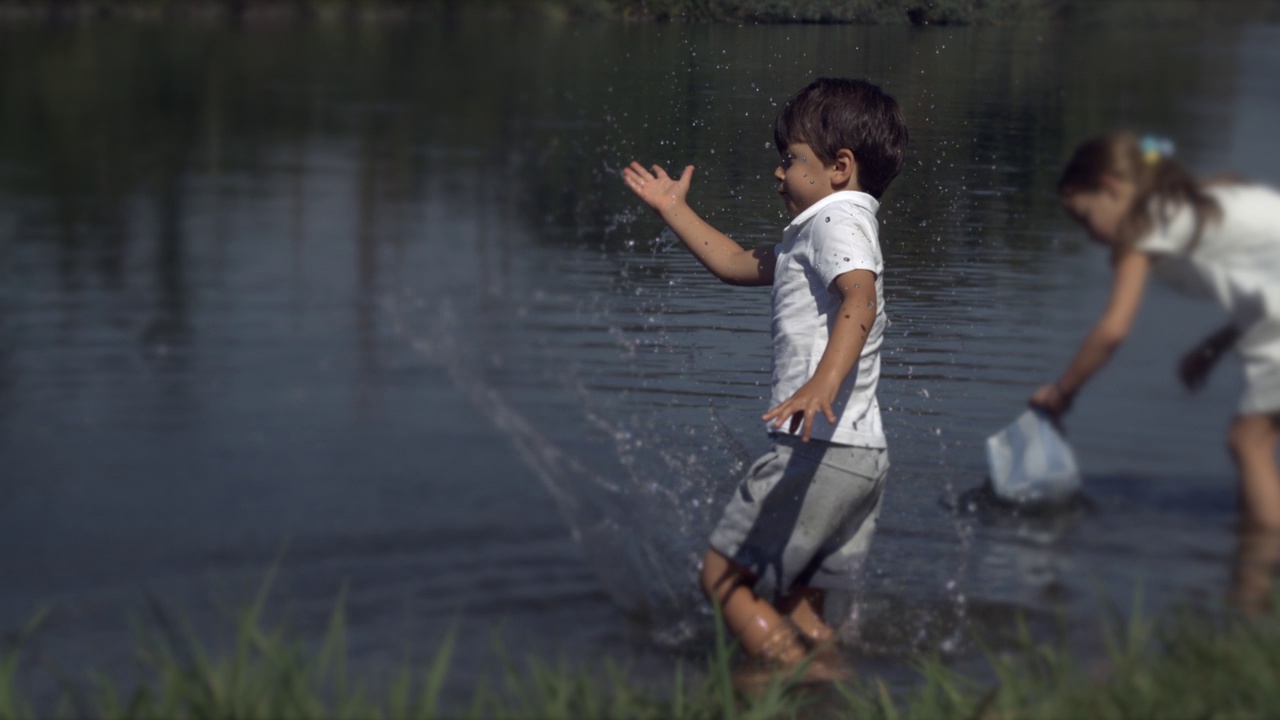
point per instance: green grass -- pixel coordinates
(267, 672)
(1185, 667)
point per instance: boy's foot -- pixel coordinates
(755, 676)
(824, 664)
(828, 665)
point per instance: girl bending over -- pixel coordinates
(1215, 240)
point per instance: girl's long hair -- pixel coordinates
(1162, 185)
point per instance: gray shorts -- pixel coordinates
(1259, 348)
(805, 513)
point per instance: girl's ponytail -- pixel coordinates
(1161, 182)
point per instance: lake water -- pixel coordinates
(370, 303)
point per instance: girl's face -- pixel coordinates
(1101, 211)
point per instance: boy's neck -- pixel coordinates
(863, 198)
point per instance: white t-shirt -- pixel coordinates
(1236, 263)
(1237, 260)
(835, 235)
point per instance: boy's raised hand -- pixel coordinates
(656, 188)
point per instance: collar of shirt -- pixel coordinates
(869, 203)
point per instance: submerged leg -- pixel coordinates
(1254, 574)
(757, 625)
(803, 606)
(1253, 440)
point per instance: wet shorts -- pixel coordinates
(805, 513)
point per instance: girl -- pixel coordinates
(1215, 240)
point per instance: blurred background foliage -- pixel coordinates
(919, 12)
(97, 117)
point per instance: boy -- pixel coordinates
(803, 517)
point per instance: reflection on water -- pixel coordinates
(376, 294)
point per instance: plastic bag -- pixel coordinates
(1030, 462)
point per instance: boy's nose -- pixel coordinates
(779, 174)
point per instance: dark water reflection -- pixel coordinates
(374, 297)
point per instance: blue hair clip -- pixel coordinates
(1154, 148)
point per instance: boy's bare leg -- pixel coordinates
(1253, 440)
(758, 626)
(803, 607)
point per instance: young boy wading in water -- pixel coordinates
(803, 517)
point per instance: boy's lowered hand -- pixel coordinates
(812, 398)
(656, 188)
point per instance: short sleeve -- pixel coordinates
(1170, 233)
(841, 245)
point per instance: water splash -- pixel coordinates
(641, 528)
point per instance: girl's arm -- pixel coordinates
(1131, 270)
(716, 251)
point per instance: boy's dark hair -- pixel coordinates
(834, 113)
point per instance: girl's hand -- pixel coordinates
(1195, 366)
(1051, 399)
(657, 188)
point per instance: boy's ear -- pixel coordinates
(845, 169)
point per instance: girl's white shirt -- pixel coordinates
(1237, 263)
(1237, 259)
(835, 235)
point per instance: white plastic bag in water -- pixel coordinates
(1030, 462)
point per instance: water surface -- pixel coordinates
(370, 304)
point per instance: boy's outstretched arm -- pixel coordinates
(848, 335)
(717, 252)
